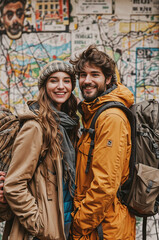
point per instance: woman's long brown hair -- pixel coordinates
(52, 137)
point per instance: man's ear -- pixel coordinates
(108, 80)
(1, 20)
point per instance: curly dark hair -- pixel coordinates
(3, 3)
(100, 59)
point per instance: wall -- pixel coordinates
(127, 30)
(131, 40)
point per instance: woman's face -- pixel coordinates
(59, 88)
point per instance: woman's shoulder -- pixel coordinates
(29, 119)
(26, 113)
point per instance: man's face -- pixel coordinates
(13, 18)
(92, 82)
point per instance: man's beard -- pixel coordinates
(94, 96)
(15, 31)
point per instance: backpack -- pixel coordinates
(140, 192)
(9, 128)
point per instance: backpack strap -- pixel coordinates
(100, 231)
(144, 227)
(91, 130)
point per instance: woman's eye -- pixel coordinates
(53, 80)
(67, 81)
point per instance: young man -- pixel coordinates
(12, 12)
(98, 211)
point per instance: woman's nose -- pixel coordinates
(60, 84)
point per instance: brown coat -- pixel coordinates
(96, 192)
(34, 194)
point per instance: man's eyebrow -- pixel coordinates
(8, 11)
(91, 71)
(18, 9)
(95, 71)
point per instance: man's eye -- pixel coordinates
(19, 13)
(9, 15)
(82, 75)
(95, 75)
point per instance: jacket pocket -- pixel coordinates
(51, 184)
(47, 197)
(82, 177)
(145, 189)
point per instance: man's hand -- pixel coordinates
(2, 178)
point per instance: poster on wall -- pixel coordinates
(94, 7)
(17, 17)
(51, 15)
(137, 7)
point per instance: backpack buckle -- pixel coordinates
(149, 186)
(91, 131)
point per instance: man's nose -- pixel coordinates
(88, 79)
(14, 18)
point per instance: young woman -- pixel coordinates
(42, 170)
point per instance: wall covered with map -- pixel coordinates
(59, 29)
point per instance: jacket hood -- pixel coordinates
(25, 113)
(120, 93)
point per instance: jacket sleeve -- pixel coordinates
(26, 151)
(5, 212)
(109, 156)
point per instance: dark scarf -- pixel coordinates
(67, 123)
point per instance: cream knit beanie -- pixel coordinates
(56, 66)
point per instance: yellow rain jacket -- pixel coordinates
(96, 199)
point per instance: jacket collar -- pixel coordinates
(118, 92)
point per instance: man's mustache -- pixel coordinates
(15, 26)
(89, 85)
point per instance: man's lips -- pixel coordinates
(89, 88)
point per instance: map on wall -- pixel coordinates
(122, 39)
(20, 63)
(147, 72)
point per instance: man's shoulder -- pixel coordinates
(115, 114)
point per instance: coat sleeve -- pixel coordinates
(26, 151)
(6, 213)
(109, 156)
